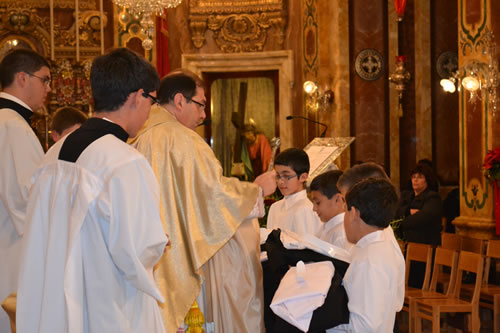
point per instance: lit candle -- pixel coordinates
(52, 46)
(77, 31)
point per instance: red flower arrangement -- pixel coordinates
(492, 172)
(492, 164)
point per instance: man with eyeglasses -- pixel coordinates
(24, 77)
(93, 228)
(208, 216)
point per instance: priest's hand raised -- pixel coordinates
(267, 181)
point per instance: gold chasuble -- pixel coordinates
(201, 211)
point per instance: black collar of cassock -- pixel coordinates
(23, 111)
(92, 130)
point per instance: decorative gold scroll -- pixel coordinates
(238, 26)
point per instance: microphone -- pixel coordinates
(322, 135)
(204, 122)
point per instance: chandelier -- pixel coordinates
(480, 79)
(146, 9)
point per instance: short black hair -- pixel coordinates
(179, 81)
(117, 74)
(430, 177)
(20, 60)
(66, 117)
(326, 183)
(294, 158)
(376, 199)
(359, 172)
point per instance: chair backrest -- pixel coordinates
(492, 252)
(472, 245)
(422, 253)
(444, 258)
(450, 241)
(473, 263)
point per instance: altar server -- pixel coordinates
(93, 226)
(25, 79)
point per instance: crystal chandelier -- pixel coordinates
(479, 78)
(146, 9)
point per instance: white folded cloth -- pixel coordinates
(295, 301)
(294, 241)
(264, 233)
(291, 240)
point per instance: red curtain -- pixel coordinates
(162, 59)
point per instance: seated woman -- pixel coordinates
(421, 210)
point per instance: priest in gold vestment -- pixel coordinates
(206, 215)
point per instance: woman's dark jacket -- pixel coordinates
(425, 225)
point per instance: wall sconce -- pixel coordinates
(316, 99)
(399, 77)
(477, 76)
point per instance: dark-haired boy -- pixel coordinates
(66, 120)
(93, 228)
(374, 281)
(295, 211)
(329, 204)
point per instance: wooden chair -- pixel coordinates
(450, 241)
(431, 309)
(420, 253)
(490, 293)
(472, 244)
(442, 258)
(459, 243)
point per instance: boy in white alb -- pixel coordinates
(374, 281)
(328, 203)
(295, 211)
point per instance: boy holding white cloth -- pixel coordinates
(374, 281)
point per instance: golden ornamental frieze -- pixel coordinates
(234, 6)
(82, 4)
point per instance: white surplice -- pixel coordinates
(20, 152)
(333, 232)
(374, 283)
(295, 213)
(93, 236)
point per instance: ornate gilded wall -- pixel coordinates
(479, 127)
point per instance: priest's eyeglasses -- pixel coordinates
(45, 80)
(284, 177)
(201, 105)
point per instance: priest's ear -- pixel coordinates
(179, 101)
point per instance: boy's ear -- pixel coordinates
(303, 177)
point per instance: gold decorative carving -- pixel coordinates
(19, 19)
(24, 24)
(198, 29)
(238, 26)
(82, 4)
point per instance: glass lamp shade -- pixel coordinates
(448, 85)
(470, 83)
(310, 87)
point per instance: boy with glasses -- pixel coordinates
(295, 211)
(93, 228)
(23, 76)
